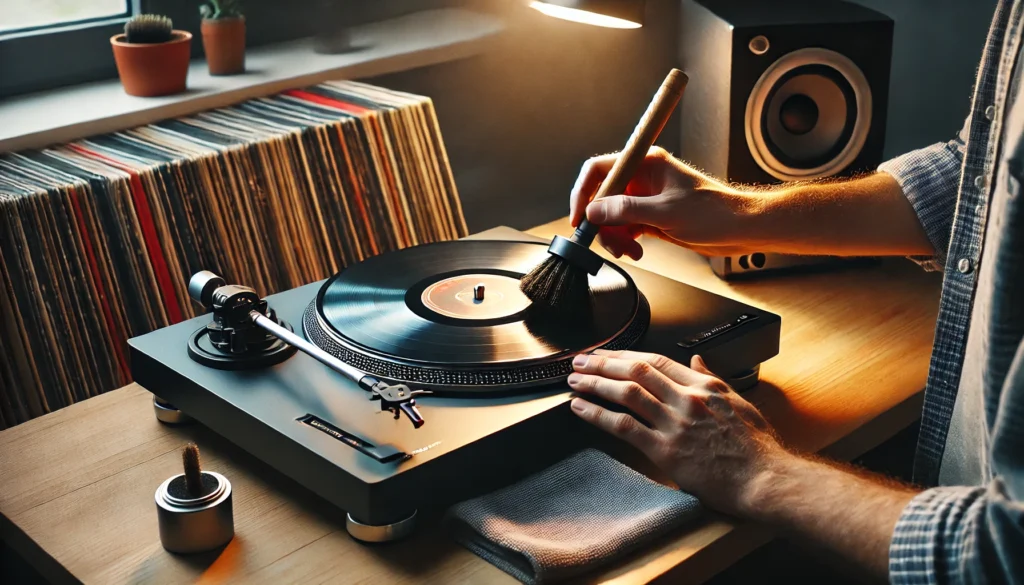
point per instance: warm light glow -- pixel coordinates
(577, 15)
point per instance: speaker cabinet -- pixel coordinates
(783, 90)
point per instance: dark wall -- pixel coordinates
(519, 121)
(936, 52)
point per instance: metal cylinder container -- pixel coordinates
(191, 525)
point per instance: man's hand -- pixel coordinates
(712, 443)
(666, 199)
(716, 446)
(863, 216)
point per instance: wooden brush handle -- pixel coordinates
(644, 135)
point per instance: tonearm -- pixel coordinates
(244, 322)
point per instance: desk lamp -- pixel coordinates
(607, 13)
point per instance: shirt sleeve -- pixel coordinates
(930, 178)
(971, 535)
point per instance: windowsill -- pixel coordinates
(416, 40)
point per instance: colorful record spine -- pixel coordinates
(98, 237)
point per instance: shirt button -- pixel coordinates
(978, 208)
(964, 265)
(990, 112)
(979, 181)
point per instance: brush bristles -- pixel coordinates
(559, 286)
(193, 470)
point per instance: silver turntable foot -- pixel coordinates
(380, 533)
(168, 413)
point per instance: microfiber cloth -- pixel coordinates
(568, 519)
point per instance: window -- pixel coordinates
(18, 16)
(49, 43)
(46, 44)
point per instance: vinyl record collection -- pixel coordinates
(100, 236)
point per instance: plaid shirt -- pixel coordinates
(967, 196)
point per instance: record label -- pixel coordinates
(476, 297)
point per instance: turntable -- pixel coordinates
(421, 377)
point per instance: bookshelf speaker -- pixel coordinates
(784, 90)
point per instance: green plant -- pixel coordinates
(148, 28)
(216, 9)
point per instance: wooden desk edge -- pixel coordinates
(33, 554)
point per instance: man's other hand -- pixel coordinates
(711, 442)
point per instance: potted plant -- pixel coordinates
(152, 58)
(223, 29)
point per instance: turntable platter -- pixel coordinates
(450, 316)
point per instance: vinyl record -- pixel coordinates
(415, 316)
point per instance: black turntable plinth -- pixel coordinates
(422, 377)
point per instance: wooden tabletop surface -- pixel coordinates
(77, 485)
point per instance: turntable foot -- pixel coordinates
(380, 533)
(745, 380)
(168, 413)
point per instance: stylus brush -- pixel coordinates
(193, 470)
(562, 281)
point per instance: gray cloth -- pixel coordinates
(568, 519)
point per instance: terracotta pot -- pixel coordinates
(224, 45)
(153, 69)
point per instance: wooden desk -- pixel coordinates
(76, 485)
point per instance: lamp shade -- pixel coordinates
(608, 13)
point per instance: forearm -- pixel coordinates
(850, 513)
(864, 216)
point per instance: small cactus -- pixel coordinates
(148, 28)
(216, 9)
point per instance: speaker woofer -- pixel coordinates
(808, 116)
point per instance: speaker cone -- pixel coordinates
(808, 115)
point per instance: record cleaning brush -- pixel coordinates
(562, 281)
